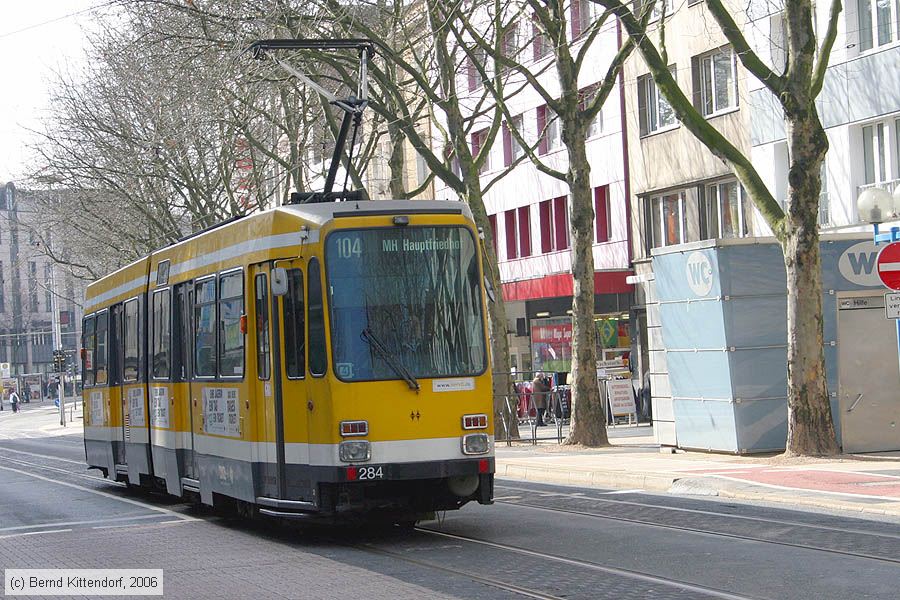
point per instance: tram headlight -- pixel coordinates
(355, 451)
(475, 443)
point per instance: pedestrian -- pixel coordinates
(14, 401)
(540, 389)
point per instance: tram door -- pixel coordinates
(184, 295)
(290, 331)
(116, 396)
(271, 454)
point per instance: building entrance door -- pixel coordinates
(869, 376)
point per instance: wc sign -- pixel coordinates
(699, 273)
(858, 265)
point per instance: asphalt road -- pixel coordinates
(537, 541)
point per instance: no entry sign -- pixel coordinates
(889, 265)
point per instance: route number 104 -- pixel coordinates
(370, 473)
(349, 248)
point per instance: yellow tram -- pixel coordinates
(314, 360)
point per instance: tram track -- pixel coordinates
(892, 555)
(645, 578)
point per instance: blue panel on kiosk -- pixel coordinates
(761, 424)
(705, 424)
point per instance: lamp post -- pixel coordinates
(876, 205)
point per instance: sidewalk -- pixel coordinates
(859, 483)
(40, 419)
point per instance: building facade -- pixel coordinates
(529, 210)
(28, 284)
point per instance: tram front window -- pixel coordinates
(414, 289)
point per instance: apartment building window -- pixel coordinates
(32, 287)
(518, 232)
(478, 140)
(48, 290)
(512, 150)
(587, 96)
(658, 8)
(666, 218)
(475, 78)
(583, 15)
(554, 216)
(879, 22)
(421, 170)
(715, 81)
(510, 43)
(725, 210)
(601, 213)
(881, 154)
(548, 130)
(654, 111)
(540, 45)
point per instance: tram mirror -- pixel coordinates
(279, 281)
(489, 289)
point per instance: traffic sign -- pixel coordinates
(888, 263)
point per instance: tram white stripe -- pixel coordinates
(399, 451)
(271, 242)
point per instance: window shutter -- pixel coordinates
(507, 145)
(541, 126)
(642, 104)
(492, 219)
(473, 74)
(546, 227)
(511, 250)
(601, 209)
(576, 18)
(561, 222)
(476, 144)
(524, 231)
(537, 43)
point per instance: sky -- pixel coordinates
(37, 37)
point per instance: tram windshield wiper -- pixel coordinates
(370, 338)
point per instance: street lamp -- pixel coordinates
(876, 205)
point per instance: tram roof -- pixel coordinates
(321, 213)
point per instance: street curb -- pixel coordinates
(678, 485)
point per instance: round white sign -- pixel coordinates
(699, 273)
(858, 264)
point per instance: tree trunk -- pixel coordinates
(810, 425)
(588, 422)
(504, 401)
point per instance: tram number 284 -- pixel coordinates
(370, 473)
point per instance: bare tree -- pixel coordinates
(810, 425)
(574, 109)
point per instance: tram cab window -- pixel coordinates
(317, 358)
(131, 365)
(89, 343)
(162, 334)
(205, 328)
(262, 326)
(231, 338)
(294, 326)
(100, 355)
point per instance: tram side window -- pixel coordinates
(205, 328)
(131, 366)
(100, 355)
(231, 338)
(162, 334)
(88, 343)
(317, 358)
(294, 326)
(262, 326)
